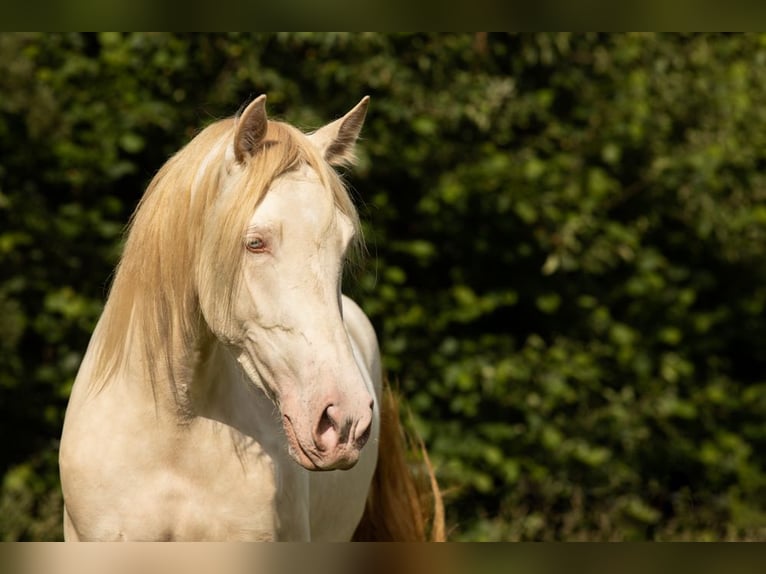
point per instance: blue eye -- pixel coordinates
(255, 245)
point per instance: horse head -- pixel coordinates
(282, 250)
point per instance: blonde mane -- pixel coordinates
(184, 245)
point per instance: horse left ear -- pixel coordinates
(337, 139)
(251, 129)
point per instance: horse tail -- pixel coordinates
(402, 505)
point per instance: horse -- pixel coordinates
(230, 390)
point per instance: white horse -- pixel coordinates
(228, 369)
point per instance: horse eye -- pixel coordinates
(255, 245)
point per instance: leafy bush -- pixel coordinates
(566, 238)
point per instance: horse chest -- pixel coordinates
(207, 493)
(205, 482)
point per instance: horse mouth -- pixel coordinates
(311, 459)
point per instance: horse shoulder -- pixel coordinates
(363, 336)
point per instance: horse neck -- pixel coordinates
(163, 368)
(220, 390)
(203, 379)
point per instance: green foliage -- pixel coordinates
(568, 254)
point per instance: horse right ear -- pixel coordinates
(251, 129)
(336, 140)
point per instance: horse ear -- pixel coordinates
(251, 129)
(337, 139)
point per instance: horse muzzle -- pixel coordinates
(333, 441)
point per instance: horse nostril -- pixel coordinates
(331, 430)
(326, 430)
(335, 428)
(326, 422)
(362, 438)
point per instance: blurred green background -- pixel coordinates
(567, 254)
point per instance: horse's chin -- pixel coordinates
(310, 459)
(341, 463)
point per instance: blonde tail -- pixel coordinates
(401, 506)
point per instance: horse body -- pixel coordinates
(230, 392)
(135, 470)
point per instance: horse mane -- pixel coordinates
(184, 245)
(402, 505)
